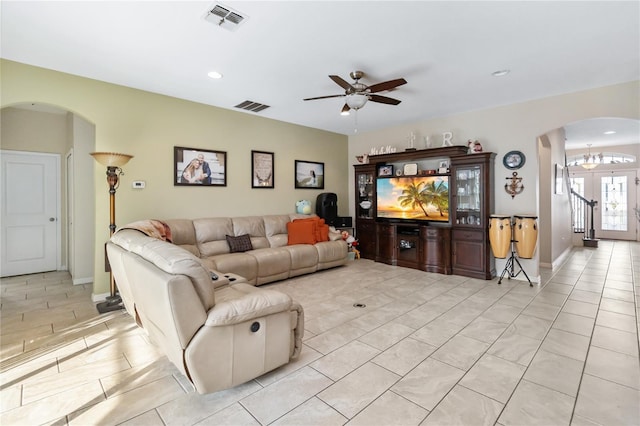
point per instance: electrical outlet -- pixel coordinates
(138, 184)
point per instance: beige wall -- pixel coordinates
(148, 126)
(557, 212)
(509, 127)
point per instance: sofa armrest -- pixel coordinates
(248, 305)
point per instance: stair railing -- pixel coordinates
(584, 214)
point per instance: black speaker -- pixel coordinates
(327, 206)
(342, 222)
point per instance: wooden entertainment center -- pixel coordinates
(459, 245)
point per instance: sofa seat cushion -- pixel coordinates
(304, 259)
(273, 264)
(331, 253)
(242, 264)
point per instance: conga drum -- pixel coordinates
(525, 234)
(500, 234)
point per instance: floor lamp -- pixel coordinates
(113, 161)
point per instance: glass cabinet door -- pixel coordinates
(364, 195)
(468, 205)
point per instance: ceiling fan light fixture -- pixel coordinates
(356, 100)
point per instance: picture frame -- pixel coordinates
(410, 169)
(308, 175)
(559, 172)
(385, 170)
(199, 167)
(262, 169)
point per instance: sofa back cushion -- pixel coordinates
(275, 227)
(183, 234)
(254, 227)
(211, 235)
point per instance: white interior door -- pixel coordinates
(29, 214)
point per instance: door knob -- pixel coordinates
(52, 219)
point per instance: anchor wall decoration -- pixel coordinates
(514, 187)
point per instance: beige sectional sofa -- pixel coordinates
(219, 331)
(271, 258)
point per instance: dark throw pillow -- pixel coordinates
(240, 243)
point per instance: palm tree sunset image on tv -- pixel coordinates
(413, 198)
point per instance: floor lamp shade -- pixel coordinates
(111, 159)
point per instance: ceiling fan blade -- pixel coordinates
(345, 108)
(324, 97)
(342, 83)
(383, 100)
(387, 85)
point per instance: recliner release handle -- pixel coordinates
(255, 326)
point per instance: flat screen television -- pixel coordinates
(413, 198)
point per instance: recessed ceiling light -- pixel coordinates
(609, 132)
(215, 75)
(500, 73)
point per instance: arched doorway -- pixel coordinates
(615, 139)
(52, 130)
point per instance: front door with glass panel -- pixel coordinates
(616, 192)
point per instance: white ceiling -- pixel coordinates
(285, 51)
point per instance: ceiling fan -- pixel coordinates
(357, 94)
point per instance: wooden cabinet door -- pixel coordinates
(436, 250)
(469, 249)
(366, 235)
(386, 247)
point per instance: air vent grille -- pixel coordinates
(225, 17)
(235, 18)
(252, 106)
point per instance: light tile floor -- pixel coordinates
(427, 349)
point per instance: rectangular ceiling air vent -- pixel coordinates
(225, 17)
(252, 106)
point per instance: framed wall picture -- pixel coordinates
(558, 178)
(199, 167)
(385, 171)
(309, 175)
(262, 169)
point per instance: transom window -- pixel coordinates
(606, 158)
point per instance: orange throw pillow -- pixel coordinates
(301, 232)
(322, 231)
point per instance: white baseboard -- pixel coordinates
(99, 297)
(559, 261)
(80, 281)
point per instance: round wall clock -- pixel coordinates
(513, 160)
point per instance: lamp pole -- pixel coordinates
(112, 161)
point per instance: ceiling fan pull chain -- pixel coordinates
(355, 116)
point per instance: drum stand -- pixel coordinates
(509, 268)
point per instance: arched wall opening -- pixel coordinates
(554, 198)
(44, 128)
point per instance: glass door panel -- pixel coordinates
(614, 211)
(468, 196)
